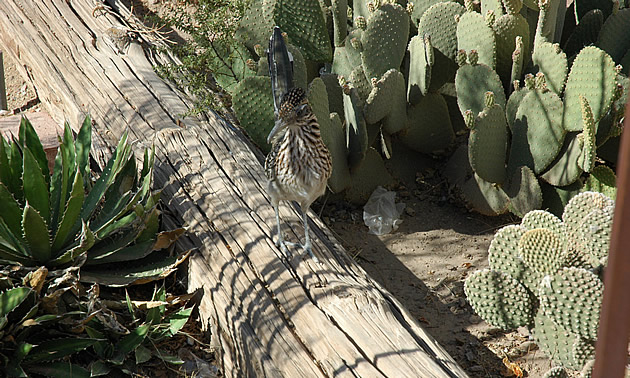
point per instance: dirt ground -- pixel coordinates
(423, 263)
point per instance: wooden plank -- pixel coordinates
(272, 317)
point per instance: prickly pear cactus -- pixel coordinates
(540, 264)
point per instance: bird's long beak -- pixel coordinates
(279, 126)
(280, 67)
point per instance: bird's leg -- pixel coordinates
(280, 241)
(307, 240)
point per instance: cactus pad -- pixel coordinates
(472, 82)
(507, 28)
(554, 340)
(420, 65)
(387, 91)
(572, 299)
(556, 372)
(512, 105)
(385, 40)
(430, 126)
(370, 174)
(503, 257)
(565, 170)
(438, 22)
(473, 33)
(593, 76)
(487, 144)
(583, 351)
(552, 61)
(356, 131)
(253, 105)
(586, 161)
(541, 250)
(537, 134)
(602, 179)
(484, 197)
(613, 37)
(588, 218)
(499, 299)
(523, 191)
(585, 32)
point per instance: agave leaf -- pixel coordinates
(12, 298)
(101, 185)
(128, 220)
(58, 348)
(154, 267)
(142, 353)
(13, 367)
(36, 234)
(176, 321)
(35, 186)
(29, 138)
(11, 211)
(12, 248)
(115, 242)
(86, 241)
(154, 315)
(59, 369)
(5, 169)
(71, 214)
(15, 162)
(59, 187)
(168, 358)
(129, 343)
(99, 369)
(151, 226)
(103, 348)
(140, 250)
(83, 146)
(70, 153)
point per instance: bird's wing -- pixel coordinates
(280, 67)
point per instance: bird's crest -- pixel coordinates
(280, 68)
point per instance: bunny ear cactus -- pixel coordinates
(302, 20)
(68, 219)
(541, 276)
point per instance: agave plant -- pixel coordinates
(107, 225)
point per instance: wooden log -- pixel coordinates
(272, 316)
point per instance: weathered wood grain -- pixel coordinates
(271, 316)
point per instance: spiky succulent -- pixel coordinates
(107, 225)
(545, 275)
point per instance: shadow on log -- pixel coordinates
(271, 317)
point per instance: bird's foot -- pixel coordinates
(284, 247)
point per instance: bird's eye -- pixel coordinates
(301, 110)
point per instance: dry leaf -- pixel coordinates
(513, 370)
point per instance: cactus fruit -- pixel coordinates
(253, 105)
(487, 144)
(593, 76)
(549, 59)
(572, 299)
(385, 40)
(429, 128)
(473, 33)
(499, 299)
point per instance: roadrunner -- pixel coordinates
(299, 165)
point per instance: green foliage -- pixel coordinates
(107, 224)
(542, 276)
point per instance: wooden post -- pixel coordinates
(614, 325)
(3, 89)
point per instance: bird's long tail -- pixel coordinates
(280, 67)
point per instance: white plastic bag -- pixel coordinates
(381, 214)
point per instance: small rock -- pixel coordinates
(410, 211)
(470, 356)
(474, 318)
(476, 368)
